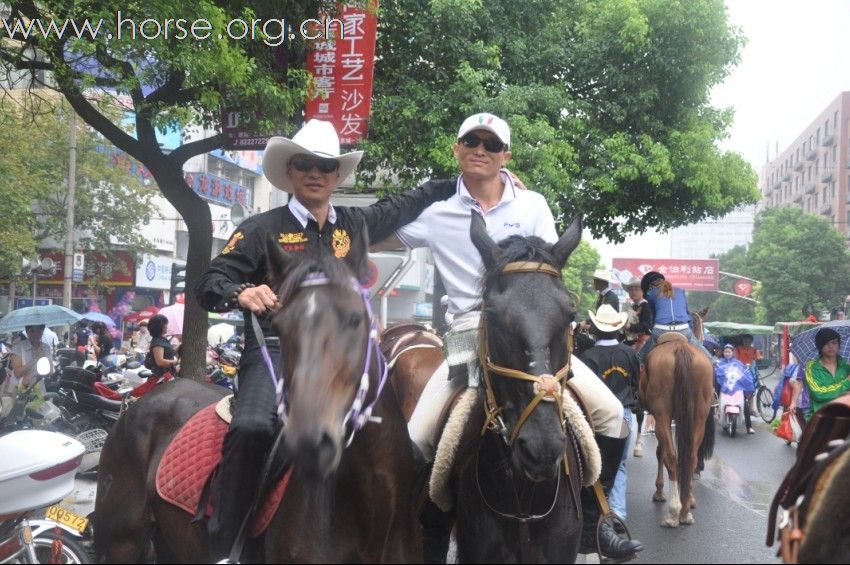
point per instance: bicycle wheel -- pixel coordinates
(764, 404)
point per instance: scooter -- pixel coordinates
(37, 471)
(731, 411)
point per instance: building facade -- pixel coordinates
(812, 173)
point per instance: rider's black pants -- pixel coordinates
(245, 446)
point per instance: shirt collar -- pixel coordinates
(303, 215)
(508, 194)
(607, 342)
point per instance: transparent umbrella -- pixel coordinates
(51, 315)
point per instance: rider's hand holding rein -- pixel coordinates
(258, 299)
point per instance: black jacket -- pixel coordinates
(619, 367)
(610, 298)
(243, 259)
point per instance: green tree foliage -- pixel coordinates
(168, 82)
(110, 202)
(607, 101)
(578, 277)
(800, 259)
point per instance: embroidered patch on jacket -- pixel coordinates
(234, 240)
(292, 237)
(341, 243)
(615, 369)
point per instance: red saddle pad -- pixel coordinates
(190, 459)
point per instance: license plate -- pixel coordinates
(63, 516)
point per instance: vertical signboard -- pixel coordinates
(342, 65)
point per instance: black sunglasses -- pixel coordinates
(305, 163)
(491, 144)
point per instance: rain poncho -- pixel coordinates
(731, 375)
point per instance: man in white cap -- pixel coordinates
(482, 150)
(310, 167)
(606, 294)
(618, 366)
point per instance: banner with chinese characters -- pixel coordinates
(342, 65)
(217, 189)
(687, 274)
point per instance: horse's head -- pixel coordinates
(324, 327)
(527, 315)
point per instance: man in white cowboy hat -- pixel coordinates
(482, 150)
(619, 368)
(309, 167)
(602, 285)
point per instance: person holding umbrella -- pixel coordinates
(827, 376)
(26, 353)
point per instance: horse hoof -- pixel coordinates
(687, 520)
(659, 498)
(670, 523)
(638, 451)
(693, 502)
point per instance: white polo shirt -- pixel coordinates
(444, 228)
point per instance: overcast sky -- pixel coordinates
(796, 61)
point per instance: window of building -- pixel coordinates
(835, 120)
(817, 138)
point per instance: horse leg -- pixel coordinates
(659, 479)
(664, 434)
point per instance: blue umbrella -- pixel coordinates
(51, 315)
(98, 317)
(709, 341)
(803, 346)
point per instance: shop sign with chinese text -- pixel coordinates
(687, 274)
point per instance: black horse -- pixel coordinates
(343, 504)
(514, 502)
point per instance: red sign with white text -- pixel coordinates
(342, 68)
(687, 274)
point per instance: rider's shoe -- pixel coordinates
(611, 546)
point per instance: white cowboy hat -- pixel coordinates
(602, 275)
(318, 138)
(607, 319)
(633, 282)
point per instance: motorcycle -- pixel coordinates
(39, 472)
(732, 411)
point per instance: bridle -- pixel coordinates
(360, 412)
(547, 387)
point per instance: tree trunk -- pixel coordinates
(196, 215)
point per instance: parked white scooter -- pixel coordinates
(36, 471)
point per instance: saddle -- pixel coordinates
(186, 467)
(402, 337)
(822, 447)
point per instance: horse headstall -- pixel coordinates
(547, 387)
(360, 412)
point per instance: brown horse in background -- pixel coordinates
(678, 384)
(345, 502)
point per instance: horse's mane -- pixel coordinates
(517, 248)
(315, 262)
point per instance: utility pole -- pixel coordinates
(67, 281)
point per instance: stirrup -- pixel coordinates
(615, 519)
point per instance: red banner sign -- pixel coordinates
(342, 68)
(116, 269)
(687, 274)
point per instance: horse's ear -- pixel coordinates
(482, 241)
(278, 261)
(567, 244)
(357, 258)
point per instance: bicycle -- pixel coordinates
(763, 396)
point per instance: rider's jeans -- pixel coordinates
(657, 333)
(245, 445)
(617, 496)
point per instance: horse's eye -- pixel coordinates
(354, 320)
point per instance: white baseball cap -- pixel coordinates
(487, 122)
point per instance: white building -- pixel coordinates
(713, 237)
